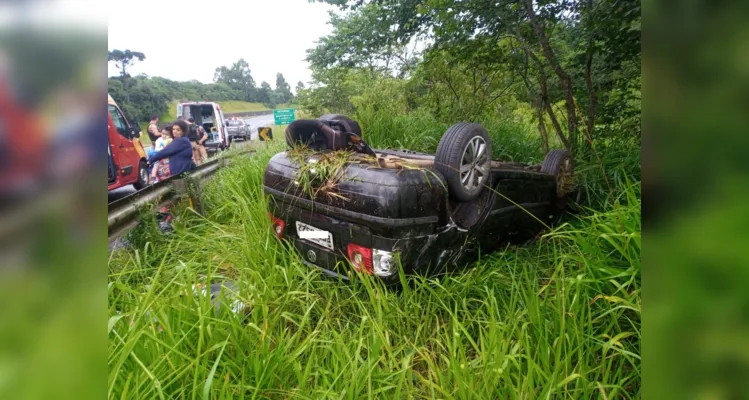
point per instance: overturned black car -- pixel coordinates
(343, 204)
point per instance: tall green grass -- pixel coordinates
(420, 131)
(603, 169)
(557, 318)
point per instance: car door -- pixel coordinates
(127, 156)
(112, 174)
(220, 123)
(245, 129)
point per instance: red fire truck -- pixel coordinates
(127, 158)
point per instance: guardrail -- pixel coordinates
(123, 213)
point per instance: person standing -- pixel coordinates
(197, 136)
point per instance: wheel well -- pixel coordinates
(467, 214)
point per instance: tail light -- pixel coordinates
(278, 226)
(372, 261)
(384, 263)
(361, 257)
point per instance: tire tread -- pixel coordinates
(553, 161)
(138, 185)
(449, 152)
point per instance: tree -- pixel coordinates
(146, 96)
(283, 89)
(606, 56)
(331, 91)
(142, 98)
(299, 87)
(456, 86)
(264, 93)
(367, 37)
(539, 39)
(125, 59)
(239, 78)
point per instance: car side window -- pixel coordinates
(119, 121)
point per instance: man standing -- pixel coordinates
(153, 129)
(197, 137)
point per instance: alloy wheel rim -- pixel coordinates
(144, 175)
(474, 164)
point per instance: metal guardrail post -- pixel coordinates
(123, 215)
(190, 188)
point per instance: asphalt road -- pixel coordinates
(254, 122)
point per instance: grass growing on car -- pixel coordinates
(322, 174)
(559, 318)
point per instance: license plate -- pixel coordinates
(314, 235)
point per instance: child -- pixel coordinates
(161, 168)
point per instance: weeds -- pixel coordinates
(558, 318)
(322, 173)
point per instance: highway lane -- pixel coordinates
(254, 122)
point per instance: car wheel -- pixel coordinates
(559, 163)
(143, 179)
(464, 157)
(349, 124)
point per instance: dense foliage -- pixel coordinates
(143, 96)
(573, 67)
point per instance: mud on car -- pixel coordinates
(345, 206)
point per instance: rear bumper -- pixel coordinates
(333, 262)
(421, 247)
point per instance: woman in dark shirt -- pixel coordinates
(179, 151)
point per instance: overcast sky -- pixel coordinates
(185, 40)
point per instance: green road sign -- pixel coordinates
(283, 116)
